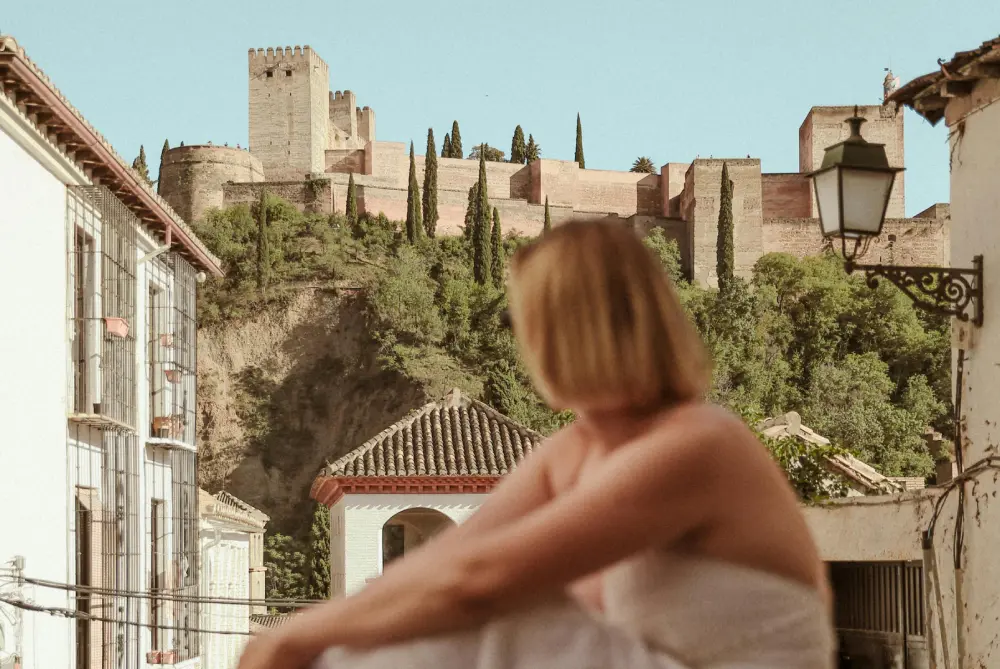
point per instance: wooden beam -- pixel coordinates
(957, 88)
(985, 70)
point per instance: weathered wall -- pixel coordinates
(825, 126)
(345, 160)
(192, 177)
(974, 121)
(343, 120)
(225, 573)
(314, 197)
(700, 208)
(289, 111)
(786, 195)
(672, 179)
(907, 241)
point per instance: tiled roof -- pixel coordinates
(928, 95)
(39, 99)
(848, 466)
(456, 436)
(260, 622)
(226, 507)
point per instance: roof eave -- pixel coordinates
(146, 207)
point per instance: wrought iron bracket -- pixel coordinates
(938, 290)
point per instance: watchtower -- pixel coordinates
(289, 111)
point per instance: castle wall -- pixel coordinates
(192, 177)
(366, 125)
(289, 111)
(825, 126)
(345, 160)
(342, 116)
(672, 178)
(700, 204)
(904, 241)
(312, 197)
(786, 195)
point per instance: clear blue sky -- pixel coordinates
(667, 79)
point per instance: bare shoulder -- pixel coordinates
(703, 428)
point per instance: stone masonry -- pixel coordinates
(308, 141)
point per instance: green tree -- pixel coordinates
(285, 564)
(481, 261)
(446, 146)
(414, 226)
(318, 581)
(517, 147)
(139, 165)
(643, 165)
(352, 203)
(547, 223)
(667, 252)
(492, 155)
(470, 211)
(430, 202)
(725, 264)
(163, 154)
(263, 245)
(456, 141)
(532, 152)
(579, 143)
(496, 252)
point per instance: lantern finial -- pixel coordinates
(855, 124)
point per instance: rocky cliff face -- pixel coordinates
(285, 392)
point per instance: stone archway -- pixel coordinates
(409, 529)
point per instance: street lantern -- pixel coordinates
(852, 188)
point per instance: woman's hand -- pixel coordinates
(273, 650)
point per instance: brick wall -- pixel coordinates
(192, 177)
(786, 195)
(907, 241)
(825, 126)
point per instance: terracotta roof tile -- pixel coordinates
(455, 436)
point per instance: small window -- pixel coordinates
(288, 73)
(270, 74)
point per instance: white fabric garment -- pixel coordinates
(662, 611)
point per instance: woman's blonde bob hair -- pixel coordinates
(599, 323)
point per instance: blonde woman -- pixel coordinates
(655, 532)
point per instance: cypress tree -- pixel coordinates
(414, 227)
(318, 551)
(163, 152)
(456, 141)
(352, 203)
(139, 164)
(517, 147)
(531, 152)
(725, 264)
(263, 248)
(446, 146)
(547, 225)
(470, 211)
(496, 252)
(430, 202)
(166, 147)
(579, 143)
(481, 261)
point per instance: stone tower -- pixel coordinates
(289, 111)
(825, 126)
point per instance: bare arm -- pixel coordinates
(451, 585)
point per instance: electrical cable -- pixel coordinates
(80, 615)
(167, 597)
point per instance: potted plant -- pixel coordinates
(166, 340)
(173, 375)
(116, 327)
(162, 427)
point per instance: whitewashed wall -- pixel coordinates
(356, 530)
(34, 501)
(225, 565)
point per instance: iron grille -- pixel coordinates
(883, 597)
(101, 267)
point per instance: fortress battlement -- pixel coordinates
(269, 57)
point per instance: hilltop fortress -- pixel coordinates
(305, 141)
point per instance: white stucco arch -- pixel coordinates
(356, 523)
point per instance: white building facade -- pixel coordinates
(231, 536)
(98, 477)
(429, 471)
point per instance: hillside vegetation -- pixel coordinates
(325, 331)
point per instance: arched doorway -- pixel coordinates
(409, 529)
